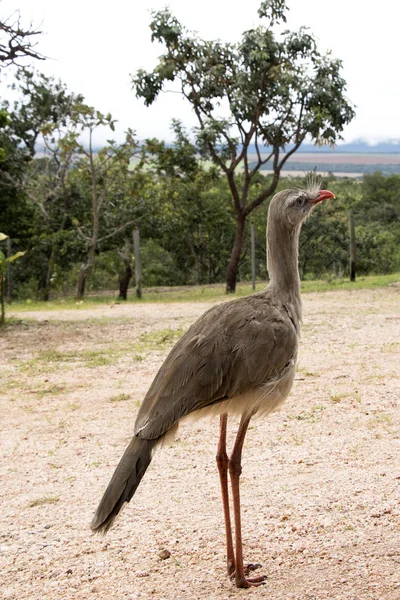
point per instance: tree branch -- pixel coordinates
(17, 43)
(117, 230)
(271, 188)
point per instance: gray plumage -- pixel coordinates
(238, 357)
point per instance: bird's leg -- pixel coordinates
(235, 469)
(222, 463)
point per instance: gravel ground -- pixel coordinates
(320, 484)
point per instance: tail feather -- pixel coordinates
(124, 482)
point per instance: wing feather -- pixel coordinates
(232, 349)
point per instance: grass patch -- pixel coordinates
(55, 356)
(120, 398)
(382, 419)
(53, 390)
(52, 359)
(95, 358)
(201, 293)
(44, 500)
(160, 338)
(311, 416)
(336, 398)
(391, 347)
(49, 358)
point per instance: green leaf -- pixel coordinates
(15, 256)
(3, 236)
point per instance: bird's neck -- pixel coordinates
(283, 264)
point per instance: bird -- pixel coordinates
(239, 358)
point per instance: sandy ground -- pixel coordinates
(320, 484)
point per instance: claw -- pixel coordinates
(251, 567)
(247, 582)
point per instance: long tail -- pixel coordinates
(124, 482)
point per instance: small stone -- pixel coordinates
(69, 571)
(164, 554)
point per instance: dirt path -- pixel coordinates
(320, 483)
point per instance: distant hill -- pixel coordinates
(355, 147)
(352, 159)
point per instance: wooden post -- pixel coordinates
(352, 247)
(9, 273)
(253, 256)
(138, 267)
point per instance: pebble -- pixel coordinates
(164, 554)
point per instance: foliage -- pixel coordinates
(79, 198)
(73, 206)
(4, 262)
(274, 92)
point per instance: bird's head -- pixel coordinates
(292, 207)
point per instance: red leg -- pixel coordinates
(235, 469)
(222, 463)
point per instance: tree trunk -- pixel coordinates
(87, 267)
(53, 255)
(138, 265)
(124, 280)
(2, 313)
(352, 247)
(49, 275)
(253, 256)
(80, 286)
(231, 274)
(9, 273)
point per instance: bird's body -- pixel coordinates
(238, 358)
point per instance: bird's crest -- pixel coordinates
(313, 182)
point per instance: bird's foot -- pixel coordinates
(247, 568)
(251, 567)
(245, 582)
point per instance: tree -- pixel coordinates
(194, 213)
(39, 120)
(274, 93)
(42, 101)
(17, 42)
(4, 262)
(101, 178)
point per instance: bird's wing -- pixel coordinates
(230, 350)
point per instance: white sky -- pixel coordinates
(94, 46)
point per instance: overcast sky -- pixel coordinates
(93, 46)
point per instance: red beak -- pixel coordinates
(323, 195)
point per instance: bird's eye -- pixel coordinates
(299, 201)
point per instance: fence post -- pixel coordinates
(9, 273)
(253, 255)
(138, 266)
(352, 247)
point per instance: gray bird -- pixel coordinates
(239, 358)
